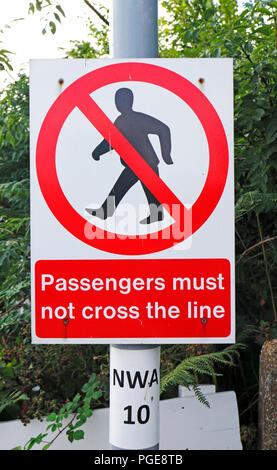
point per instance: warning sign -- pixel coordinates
(132, 201)
(108, 299)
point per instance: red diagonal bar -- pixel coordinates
(128, 153)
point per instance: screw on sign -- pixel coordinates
(78, 95)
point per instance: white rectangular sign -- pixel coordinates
(132, 201)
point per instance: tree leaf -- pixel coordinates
(60, 10)
(79, 434)
(46, 446)
(52, 27)
(51, 417)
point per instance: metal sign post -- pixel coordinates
(134, 369)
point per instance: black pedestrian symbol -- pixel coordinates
(135, 127)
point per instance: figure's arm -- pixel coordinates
(102, 148)
(165, 142)
(154, 126)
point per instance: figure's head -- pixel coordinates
(124, 100)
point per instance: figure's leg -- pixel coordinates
(156, 209)
(126, 180)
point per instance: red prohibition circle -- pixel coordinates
(78, 94)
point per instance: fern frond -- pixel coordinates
(200, 396)
(254, 201)
(9, 398)
(205, 364)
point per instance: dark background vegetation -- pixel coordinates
(38, 381)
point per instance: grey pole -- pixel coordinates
(134, 29)
(134, 411)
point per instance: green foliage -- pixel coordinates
(77, 411)
(97, 47)
(8, 399)
(5, 59)
(53, 14)
(4, 55)
(189, 369)
(14, 203)
(50, 375)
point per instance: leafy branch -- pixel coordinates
(56, 12)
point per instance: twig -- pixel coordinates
(15, 305)
(266, 269)
(241, 240)
(252, 63)
(246, 55)
(62, 430)
(254, 402)
(96, 12)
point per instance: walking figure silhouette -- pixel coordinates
(135, 127)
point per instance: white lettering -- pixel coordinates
(204, 311)
(43, 280)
